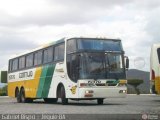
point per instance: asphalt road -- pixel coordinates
(132, 104)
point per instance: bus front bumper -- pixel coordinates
(119, 92)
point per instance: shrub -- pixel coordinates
(135, 83)
(3, 91)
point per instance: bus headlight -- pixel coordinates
(123, 91)
(88, 91)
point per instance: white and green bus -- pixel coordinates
(73, 68)
(155, 68)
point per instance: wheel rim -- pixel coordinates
(22, 96)
(18, 96)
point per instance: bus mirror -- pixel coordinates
(127, 62)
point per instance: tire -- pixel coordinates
(63, 96)
(153, 89)
(100, 101)
(50, 100)
(17, 95)
(22, 96)
(28, 100)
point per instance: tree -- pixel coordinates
(3, 91)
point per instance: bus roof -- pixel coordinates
(57, 42)
(39, 48)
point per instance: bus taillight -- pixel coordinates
(153, 75)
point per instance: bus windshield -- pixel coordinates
(101, 66)
(95, 59)
(107, 45)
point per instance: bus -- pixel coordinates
(155, 68)
(70, 68)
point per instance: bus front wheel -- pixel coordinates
(63, 96)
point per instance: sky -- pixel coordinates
(27, 24)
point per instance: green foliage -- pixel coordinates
(135, 83)
(3, 91)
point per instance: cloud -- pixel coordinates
(14, 44)
(9, 48)
(54, 12)
(90, 4)
(152, 27)
(147, 5)
(12, 40)
(27, 24)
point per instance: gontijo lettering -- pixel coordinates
(25, 74)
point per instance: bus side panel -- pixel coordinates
(31, 86)
(45, 81)
(157, 79)
(157, 84)
(41, 82)
(12, 87)
(154, 67)
(48, 79)
(60, 76)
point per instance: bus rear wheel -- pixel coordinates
(17, 95)
(63, 96)
(23, 99)
(22, 96)
(100, 101)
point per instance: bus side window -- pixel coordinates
(59, 52)
(15, 64)
(10, 65)
(29, 60)
(48, 55)
(72, 67)
(158, 53)
(38, 58)
(71, 46)
(22, 62)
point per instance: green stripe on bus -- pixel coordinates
(48, 80)
(42, 81)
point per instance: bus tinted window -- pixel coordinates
(71, 46)
(15, 64)
(38, 58)
(72, 67)
(10, 65)
(107, 45)
(29, 60)
(158, 52)
(48, 55)
(59, 52)
(22, 62)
